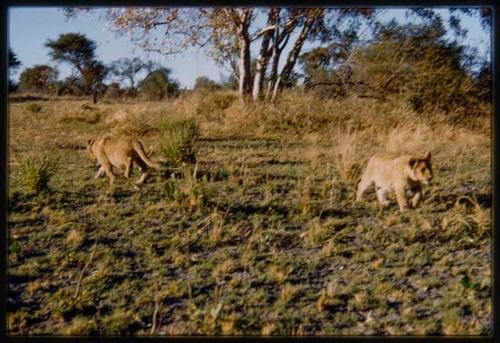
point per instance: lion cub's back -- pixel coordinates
(381, 168)
(117, 148)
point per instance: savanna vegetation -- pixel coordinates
(253, 228)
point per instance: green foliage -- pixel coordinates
(79, 51)
(417, 62)
(205, 84)
(72, 85)
(33, 107)
(157, 85)
(128, 68)
(36, 172)
(14, 62)
(74, 48)
(119, 323)
(189, 192)
(113, 91)
(177, 139)
(40, 78)
(211, 105)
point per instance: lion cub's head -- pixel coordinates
(421, 169)
(89, 150)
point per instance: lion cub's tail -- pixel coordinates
(139, 149)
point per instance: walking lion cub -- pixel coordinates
(404, 174)
(119, 152)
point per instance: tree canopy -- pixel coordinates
(157, 85)
(128, 69)
(39, 78)
(79, 51)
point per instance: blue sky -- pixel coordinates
(30, 27)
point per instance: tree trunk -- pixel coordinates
(275, 61)
(292, 57)
(244, 56)
(94, 96)
(244, 68)
(263, 58)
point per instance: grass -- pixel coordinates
(36, 172)
(177, 140)
(261, 236)
(33, 107)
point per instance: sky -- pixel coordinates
(31, 27)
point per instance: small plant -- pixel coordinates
(188, 193)
(33, 107)
(346, 155)
(36, 173)
(212, 105)
(177, 140)
(304, 196)
(315, 233)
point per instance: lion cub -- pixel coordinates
(405, 174)
(120, 152)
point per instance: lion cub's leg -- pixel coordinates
(382, 196)
(144, 175)
(100, 173)
(363, 186)
(143, 169)
(401, 198)
(128, 167)
(106, 166)
(417, 197)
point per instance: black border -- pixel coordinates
(495, 253)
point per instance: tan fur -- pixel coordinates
(404, 174)
(119, 152)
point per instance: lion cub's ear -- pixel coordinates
(413, 162)
(90, 142)
(427, 156)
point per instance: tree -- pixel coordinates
(483, 82)
(204, 83)
(14, 64)
(71, 85)
(40, 78)
(327, 69)
(228, 32)
(79, 51)
(128, 69)
(157, 85)
(113, 91)
(417, 62)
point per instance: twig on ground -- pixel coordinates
(85, 269)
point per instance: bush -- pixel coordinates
(40, 78)
(177, 140)
(36, 173)
(157, 85)
(189, 192)
(113, 91)
(33, 108)
(211, 105)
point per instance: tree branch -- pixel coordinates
(261, 32)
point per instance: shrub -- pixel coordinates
(113, 91)
(177, 140)
(189, 192)
(157, 85)
(36, 173)
(33, 107)
(40, 78)
(211, 105)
